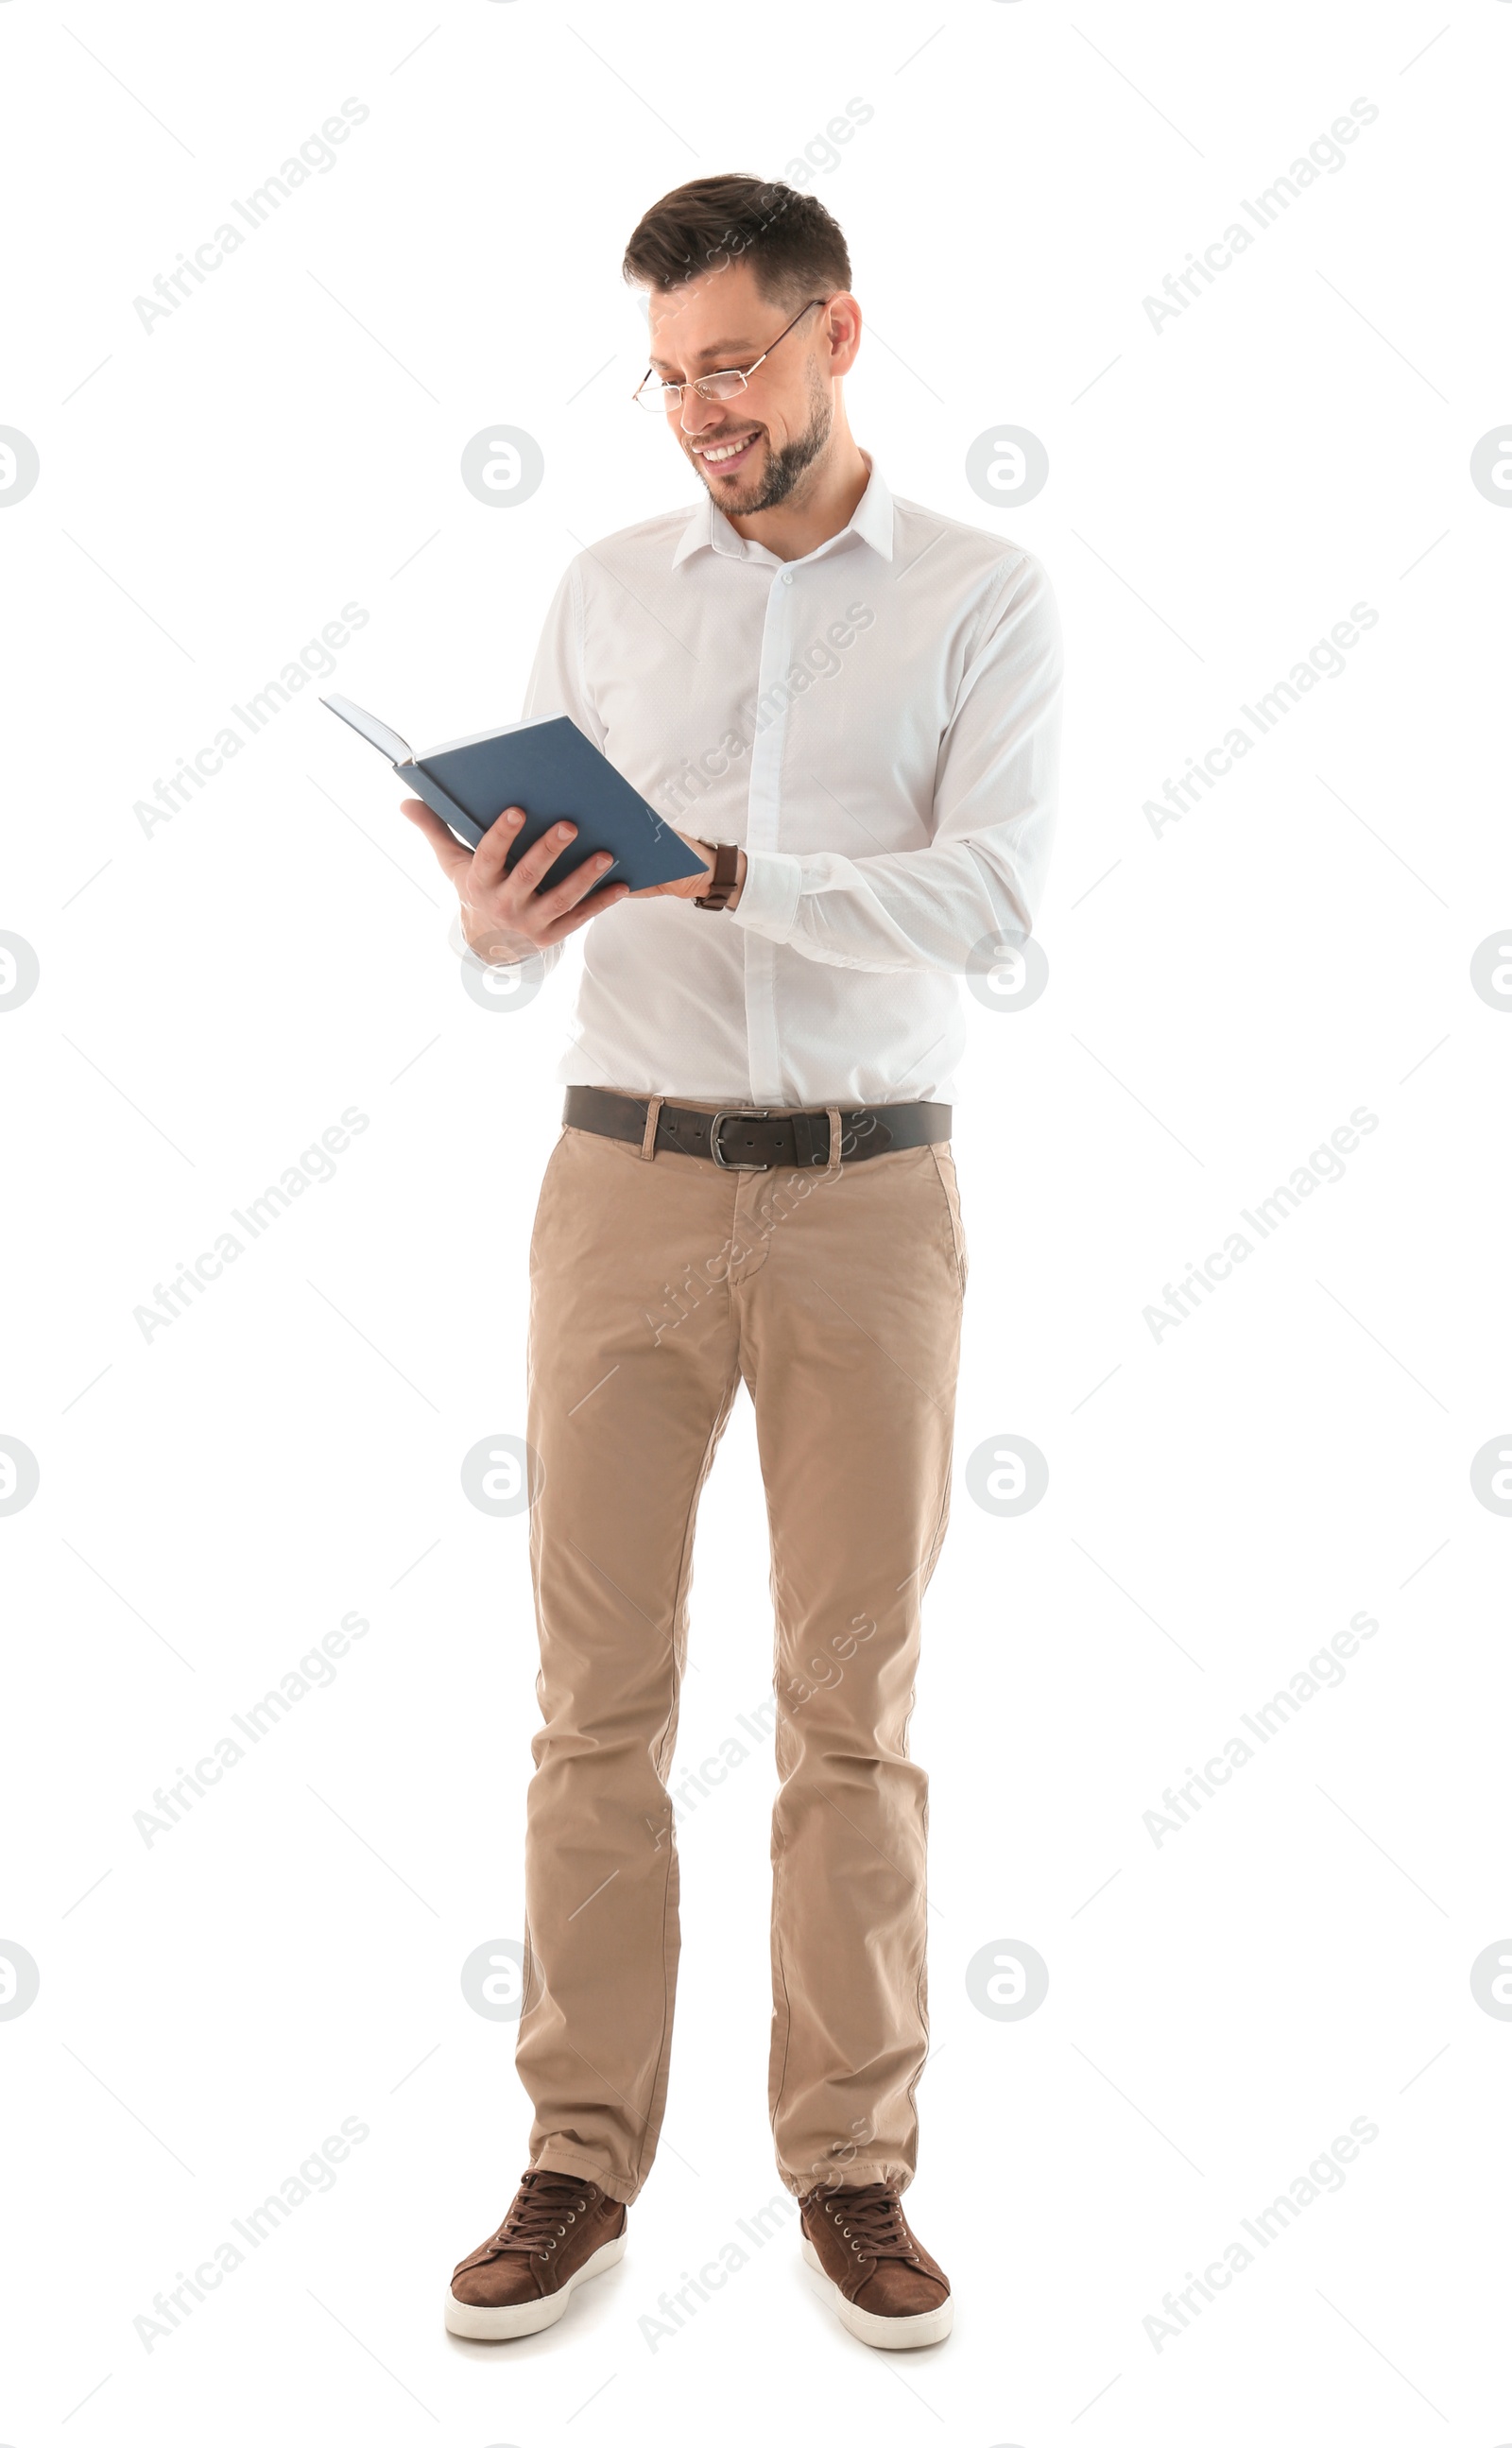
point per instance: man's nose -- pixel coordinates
(700, 414)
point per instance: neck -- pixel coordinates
(822, 503)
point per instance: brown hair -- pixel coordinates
(794, 247)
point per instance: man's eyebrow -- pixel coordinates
(715, 349)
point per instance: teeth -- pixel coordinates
(728, 450)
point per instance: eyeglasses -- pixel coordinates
(659, 396)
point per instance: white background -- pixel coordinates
(215, 993)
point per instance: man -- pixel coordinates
(858, 699)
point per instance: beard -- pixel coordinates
(786, 466)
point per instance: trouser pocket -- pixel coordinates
(945, 1167)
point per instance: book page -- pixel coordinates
(387, 742)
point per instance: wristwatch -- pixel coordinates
(724, 879)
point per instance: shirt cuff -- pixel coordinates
(771, 893)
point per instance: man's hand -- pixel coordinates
(504, 917)
(687, 888)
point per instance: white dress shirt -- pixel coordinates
(876, 724)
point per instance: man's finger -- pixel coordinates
(596, 902)
(450, 852)
(532, 864)
(494, 848)
(565, 895)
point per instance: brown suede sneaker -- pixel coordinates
(557, 2232)
(886, 2289)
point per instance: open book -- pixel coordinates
(549, 769)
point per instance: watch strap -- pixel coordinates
(724, 879)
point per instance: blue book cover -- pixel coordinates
(552, 771)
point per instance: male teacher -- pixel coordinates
(848, 706)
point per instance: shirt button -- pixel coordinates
(787, 578)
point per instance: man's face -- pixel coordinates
(751, 450)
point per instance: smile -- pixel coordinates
(726, 455)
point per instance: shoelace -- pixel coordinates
(543, 2209)
(870, 2220)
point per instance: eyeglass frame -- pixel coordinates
(745, 373)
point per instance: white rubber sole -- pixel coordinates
(879, 2328)
(497, 2321)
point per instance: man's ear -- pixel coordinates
(845, 347)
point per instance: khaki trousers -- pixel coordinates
(656, 1286)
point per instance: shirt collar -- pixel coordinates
(871, 520)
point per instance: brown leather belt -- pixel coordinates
(747, 1139)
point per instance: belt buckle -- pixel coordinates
(736, 1114)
